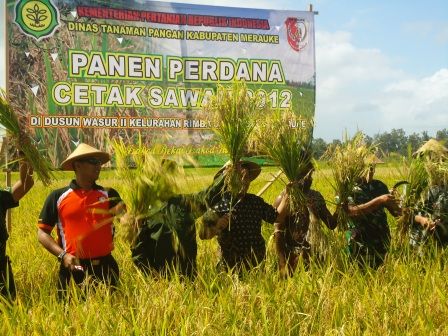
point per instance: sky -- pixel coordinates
(379, 64)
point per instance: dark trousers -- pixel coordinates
(7, 285)
(104, 269)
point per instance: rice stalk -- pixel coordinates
(148, 182)
(232, 112)
(410, 192)
(22, 140)
(290, 148)
(349, 164)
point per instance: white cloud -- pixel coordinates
(418, 104)
(360, 88)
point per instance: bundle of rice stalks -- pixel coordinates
(433, 149)
(290, 148)
(410, 192)
(349, 164)
(437, 172)
(232, 112)
(148, 181)
(21, 140)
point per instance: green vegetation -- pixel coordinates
(407, 295)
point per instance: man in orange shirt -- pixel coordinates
(83, 213)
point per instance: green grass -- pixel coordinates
(406, 296)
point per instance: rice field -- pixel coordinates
(406, 296)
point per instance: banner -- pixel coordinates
(89, 71)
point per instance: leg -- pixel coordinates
(107, 272)
(7, 285)
(63, 281)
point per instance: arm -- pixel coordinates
(329, 219)
(425, 222)
(279, 233)
(366, 208)
(319, 208)
(117, 206)
(279, 236)
(47, 241)
(118, 209)
(25, 182)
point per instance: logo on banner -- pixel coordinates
(297, 32)
(37, 18)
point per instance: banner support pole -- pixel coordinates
(310, 8)
(270, 182)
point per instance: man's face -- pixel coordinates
(88, 168)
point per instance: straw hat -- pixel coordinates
(432, 146)
(253, 169)
(84, 151)
(373, 160)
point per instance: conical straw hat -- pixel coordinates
(84, 151)
(253, 168)
(432, 146)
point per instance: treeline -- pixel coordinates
(395, 142)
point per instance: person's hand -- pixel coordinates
(222, 223)
(430, 225)
(387, 198)
(70, 261)
(390, 202)
(393, 205)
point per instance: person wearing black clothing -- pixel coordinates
(292, 236)
(167, 240)
(10, 200)
(368, 235)
(238, 224)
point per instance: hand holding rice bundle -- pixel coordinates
(148, 183)
(350, 162)
(431, 220)
(22, 141)
(233, 113)
(290, 148)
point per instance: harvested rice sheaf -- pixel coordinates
(21, 140)
(148, 182)
(349, 163)
(233, 114)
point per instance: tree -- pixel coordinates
(442, 135)
(319, 147)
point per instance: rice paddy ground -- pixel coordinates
(406, 296)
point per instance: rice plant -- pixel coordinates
(21, 140)
(410, 192)
(290, 148)
(349, 164)
(148, 182)
(232, 112)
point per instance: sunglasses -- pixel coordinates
(92, 161)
